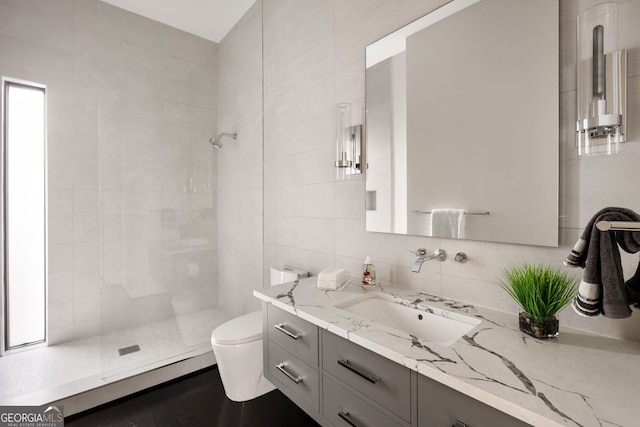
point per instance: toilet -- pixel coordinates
(237, 345)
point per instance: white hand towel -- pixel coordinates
(447, 223)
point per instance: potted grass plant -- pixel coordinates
(541, 291)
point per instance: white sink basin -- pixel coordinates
(422, 321)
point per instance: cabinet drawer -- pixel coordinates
(295, 335)
(343, 408)
(296, 375)
(442, 406)
(379, 378)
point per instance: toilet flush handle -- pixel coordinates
(280, 327)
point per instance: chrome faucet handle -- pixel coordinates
(419, 252)
(440, 254)
(461, 257)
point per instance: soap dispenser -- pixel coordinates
(368, 273)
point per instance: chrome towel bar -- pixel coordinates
(618, 226)
(466, 213)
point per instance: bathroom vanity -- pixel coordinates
(343, 368)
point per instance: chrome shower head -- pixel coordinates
(216, 141)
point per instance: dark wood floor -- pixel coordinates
(195, 400)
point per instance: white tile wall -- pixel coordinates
(314, 58)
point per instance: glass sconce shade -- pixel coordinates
(343, 123)
(602, 78)
(348, 144)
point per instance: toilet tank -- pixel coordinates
(286, 274)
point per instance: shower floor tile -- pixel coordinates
(54, 372)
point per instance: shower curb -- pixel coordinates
(123, 387)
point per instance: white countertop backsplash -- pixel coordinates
(578, 379)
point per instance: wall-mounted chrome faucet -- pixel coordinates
(421, 253)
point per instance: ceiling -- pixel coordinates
(209, 19)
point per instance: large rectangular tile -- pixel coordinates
(312, 167)
(314, 234)
(310, 201)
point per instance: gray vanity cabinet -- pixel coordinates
(442, 406)
(342, 384)
(343, 408)
(295, 335)
(291, 357)
(366, 375)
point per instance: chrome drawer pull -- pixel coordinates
(367, 376)
(281, 366)
(347, 418)
(459, 424)
(280, 327)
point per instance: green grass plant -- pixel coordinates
(539, 290)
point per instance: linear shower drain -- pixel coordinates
(127, 350)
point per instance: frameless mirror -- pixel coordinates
(462, 124)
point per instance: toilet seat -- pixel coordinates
(241, 330)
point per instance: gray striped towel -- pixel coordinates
(602, 289)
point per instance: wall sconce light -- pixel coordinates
(348, 144)
(602, 82)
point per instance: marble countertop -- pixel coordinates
(577, 379)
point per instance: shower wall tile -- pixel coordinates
(60, 90)
(86, 310)
(128, 80)
(180, 69)
(114, 51)
(60, 120)
(111, 202)
(61, 285)
(85, 329)
(60, 174)
(86, 69)
(60, 257)
(189, 93)
(85, 95)
(36, 29)
(59, 147)
(85, 15)
(193, 49)
(121, 89)
(86, 228)
(85, 148)
(86, 202)
(60, 229)
(86, 255)
(59, 11)
(33, 57)
(128, 27)
(111, 229)
(60, 201)
(86, 175)
(60, 314)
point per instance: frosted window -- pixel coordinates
(24, 214)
